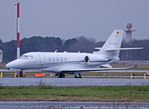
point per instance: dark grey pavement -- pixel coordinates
(71, 82)
(71, 105)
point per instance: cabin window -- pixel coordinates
(57, 59)
(49, 59)
(65, 59)
(53, 59)
(61, 59)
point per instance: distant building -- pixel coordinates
(1, 56)
(128, 30)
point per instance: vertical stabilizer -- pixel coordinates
(114, 41)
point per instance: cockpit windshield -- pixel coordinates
(26, 57)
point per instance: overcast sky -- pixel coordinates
(74, 18)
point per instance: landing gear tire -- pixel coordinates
(77, 75)
(61, 75)
(21, 74)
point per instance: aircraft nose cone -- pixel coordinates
(9, 65)
(13, 64)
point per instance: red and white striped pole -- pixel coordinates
(18, 28)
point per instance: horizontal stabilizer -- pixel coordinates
(113, 49)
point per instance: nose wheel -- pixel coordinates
(20, 74)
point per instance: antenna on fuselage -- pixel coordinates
(55, 51)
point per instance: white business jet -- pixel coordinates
(63, 63)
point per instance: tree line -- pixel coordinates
(82, 44)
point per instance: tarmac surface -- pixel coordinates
(71, 82)
(71, 105)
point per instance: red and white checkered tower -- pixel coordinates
(18, 28)
(129, 30)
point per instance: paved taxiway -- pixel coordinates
(71, 105)
(71, 82)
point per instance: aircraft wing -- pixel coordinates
(113, 49)
(69, 69)
(96, 69)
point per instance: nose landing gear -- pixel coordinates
(20, 74)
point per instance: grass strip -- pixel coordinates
(86, 93)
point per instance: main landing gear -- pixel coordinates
(77, 75)
(60, 75)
